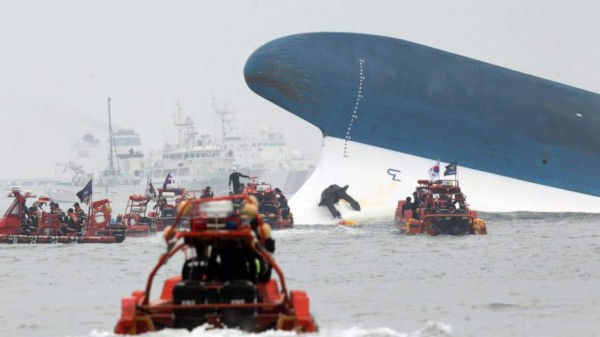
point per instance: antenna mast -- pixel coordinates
(112, 145)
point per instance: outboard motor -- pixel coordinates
(239, 292)
(451, 226)
(118, 231)
(189, 293)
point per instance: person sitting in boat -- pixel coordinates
(69, 226)
(55, 209)
(232, 260)
(459, 204)
(197, 267)
(24, 212)
(460, 198)
(207, 193)
(31, 225)
(451, 204)
(408, 205)
(39, 205)
(161, 201)
(234, 178)
(80, 214)
(415, 206)
(283, 203)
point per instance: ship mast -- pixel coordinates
(228, 127)
(227, 122)
(112, 146)
(186, 131)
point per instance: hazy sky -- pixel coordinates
(60, 60)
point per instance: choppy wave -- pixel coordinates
(430, 329)
(534, 274)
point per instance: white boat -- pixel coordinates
(207, 160)
(116, 169)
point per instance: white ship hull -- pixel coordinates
(368, 172)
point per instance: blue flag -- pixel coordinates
(150, 191)
(169, 180)
(451, 168)
(85, 195)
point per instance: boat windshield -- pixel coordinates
(14, 209)
(217, 209)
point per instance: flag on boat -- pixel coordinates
(434, 172)
(150, 191)
(85, 195)
(169, 181)
(451, 168)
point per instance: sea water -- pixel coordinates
(532, 275)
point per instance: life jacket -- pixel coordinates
(70, 220)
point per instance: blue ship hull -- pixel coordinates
(429, 103)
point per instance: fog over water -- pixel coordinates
(60, 60)
(533, 275)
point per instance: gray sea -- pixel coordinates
(533, 275)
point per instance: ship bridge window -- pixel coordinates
(130, 141)
(184, 171)
(156, 173)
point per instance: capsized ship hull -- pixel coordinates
(425, 103)
(379, 178)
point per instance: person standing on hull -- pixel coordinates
(332, 195)
(234, 178)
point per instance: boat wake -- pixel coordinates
(431, 329)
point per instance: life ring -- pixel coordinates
(105, 211)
